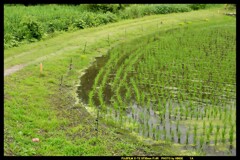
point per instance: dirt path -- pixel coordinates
(18, 67)
(13, 69)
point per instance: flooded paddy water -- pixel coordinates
(157, 96)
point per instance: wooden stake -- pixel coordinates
(97, 122)
(41, 68)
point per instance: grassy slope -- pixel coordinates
(34, 106)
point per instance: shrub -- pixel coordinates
(50, 28)
(89, 19)
(197, 6)
(111, 17)
(79, 23)
(165, 9)
(31, 28)
(130, 12)
(105, 18)
(10, 42)
(148, 10)
(104, 8)
(136, 11)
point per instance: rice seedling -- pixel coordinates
(223, 135)
(191, 115)
(197, 113)
(172, 136)
(231, 132)
(177, 127)
(195, 140)
(210, 127)
(154, 133)
(179, 136)
(208, 116)
(164, 134)
(181, 113)
(212, 111)
(201, 141)
(208, 137)
(205, 111)
(187, 136)
(218, 128)
(225, 126)
(186, 114)
(204, 126)
(175, 113)
(216, 138)
(170, 125)
(216, 112)
(220, 115)
(143, 130)
(169, 114)
(148, 133)
(230, 118)
(195, 129)
(164, 124)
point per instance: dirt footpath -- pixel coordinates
(13, 69)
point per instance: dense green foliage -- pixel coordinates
(114, 8)
(197, 6)
(28, 24)
(36, 22)
(136, 11)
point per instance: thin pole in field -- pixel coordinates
(85, 48)
(108, 40)
(97, 122)
(61, 80)
(70, 66)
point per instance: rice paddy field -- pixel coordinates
(176, 85)
(156, 85)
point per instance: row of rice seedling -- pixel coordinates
(180, 87)
(112, 67)
(211, 111)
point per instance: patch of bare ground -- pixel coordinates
(13, 69)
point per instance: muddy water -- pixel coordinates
(87, 80)
(150, 122)
(153, 120)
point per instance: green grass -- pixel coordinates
(34, 106)
(29, 24)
